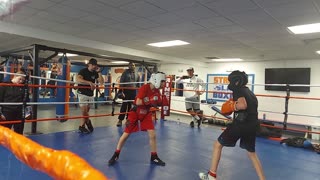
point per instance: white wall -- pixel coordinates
(308, 107)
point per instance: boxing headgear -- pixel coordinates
(157, 78)
(237, 80)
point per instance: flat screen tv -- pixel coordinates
(288, 76)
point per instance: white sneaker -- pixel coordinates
(206, 176)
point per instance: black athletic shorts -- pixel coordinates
(245, 132)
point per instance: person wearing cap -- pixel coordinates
(87, 77)
(193, 88)
(13, 94)
(126, 91)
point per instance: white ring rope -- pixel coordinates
(304, 115)
(74, 82)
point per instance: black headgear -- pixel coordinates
(237, 79)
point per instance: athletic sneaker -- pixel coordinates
(192, 124)
(156, 160)
(119, 123)
(89, 125)
(206, 176)
(83, 129)
(113, 159)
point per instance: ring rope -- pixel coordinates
(37, 77)
(46, 103)
(58, 118)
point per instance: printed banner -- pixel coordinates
(165, 110)
(217, 88)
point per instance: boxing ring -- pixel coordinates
(185, 150)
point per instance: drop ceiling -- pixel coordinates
(254, 30)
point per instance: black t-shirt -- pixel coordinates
(252, 104)
(88, 76)
(11, 94)
(128, 76)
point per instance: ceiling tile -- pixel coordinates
(300, 19)
(123, 27)
(143, 23)
(231, 6)
(108, 36)
(272, 3)
(146, 33)
(26, 11)
(214, 22)
(250, 16)
(40, 23)
(178, 28)
(116, 3)
(56, 1)
(40, 4)
(229, 29)
(167, 19)
(89, 6)
(53, 17)
(293, 9)
(195, 12)
(67, 11)
(142, 9)
(99, 21)
(116, 14)
(69, 30)
(171, 5)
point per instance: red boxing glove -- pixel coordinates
(228, 107)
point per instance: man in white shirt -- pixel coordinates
(193, 88)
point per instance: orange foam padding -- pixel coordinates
(57, 164)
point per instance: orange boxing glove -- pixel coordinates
(228, 107)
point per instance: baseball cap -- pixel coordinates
(190, 69)
(93, 61)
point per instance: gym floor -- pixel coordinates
(186, 151)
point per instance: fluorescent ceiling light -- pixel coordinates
(68, 54)
(318, 52)
(120, 62)
(227, 60)
(304, 29)
(169, 43)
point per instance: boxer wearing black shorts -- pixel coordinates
(244, 107)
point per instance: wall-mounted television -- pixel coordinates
(288, 76)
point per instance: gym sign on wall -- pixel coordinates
(218, 83)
